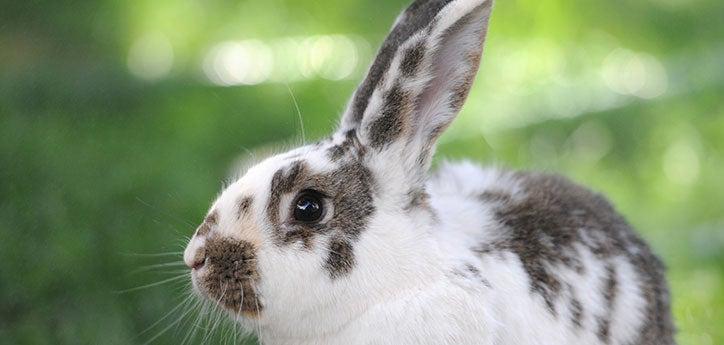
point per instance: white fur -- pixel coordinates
(408, 284)
(402, 291)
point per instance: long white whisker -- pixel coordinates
(218, 313)
(193, 307)
(180, 305)
(165, 213)
(155, 266)
(167, 327)
(196, 325)
(238, 311)
(299, 114)
(258, 325)
(152, 284)
(179, 254)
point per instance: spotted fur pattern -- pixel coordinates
(467, 256)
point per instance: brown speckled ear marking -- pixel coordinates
(232, 275)
(389, 125)
(419, 80)
(416, 17)
(543, 225)
(349, 146)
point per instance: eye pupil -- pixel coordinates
(308, 208)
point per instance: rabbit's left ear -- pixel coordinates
(420, 78)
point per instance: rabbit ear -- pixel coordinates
(420, 77)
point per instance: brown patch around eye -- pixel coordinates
(233, 276)
(348, 190)
(283, 182)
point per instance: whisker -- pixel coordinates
(167, 327)
(299, 113)
(218, 313)
(191, 307)
(165, 213)
(152, 284)
(180, 305)
(147, 268)
(180, 254)
(258, 325)
(191, 334)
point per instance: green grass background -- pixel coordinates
(97, 162)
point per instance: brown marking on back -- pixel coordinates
(390, 124)
(470, 273)
(543, 227)
(658, 327)
(418, 198)
(576, 309)
(610, 290)
(232, 275)
(604, 328)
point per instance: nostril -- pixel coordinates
(198, 263)
(197, 260)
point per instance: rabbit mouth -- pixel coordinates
(229, 276)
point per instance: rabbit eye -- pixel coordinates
(308, 207)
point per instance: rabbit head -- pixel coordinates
(311, 236)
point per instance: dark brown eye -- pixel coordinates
(308, 207)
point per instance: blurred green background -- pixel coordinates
(120, 120)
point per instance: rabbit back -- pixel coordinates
(559, 260)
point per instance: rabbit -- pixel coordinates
(350, 241)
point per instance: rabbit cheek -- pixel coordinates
(232, 275)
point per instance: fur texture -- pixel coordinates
(466, 256)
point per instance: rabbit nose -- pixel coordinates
(195, 255)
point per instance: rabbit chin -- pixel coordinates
(221, 295)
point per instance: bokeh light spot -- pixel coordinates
(239, 63)
(151, 56)
(250, 62)
(637, 74)
(681, 162)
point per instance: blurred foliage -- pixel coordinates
(99, 160)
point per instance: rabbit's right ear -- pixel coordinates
(419, 80)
